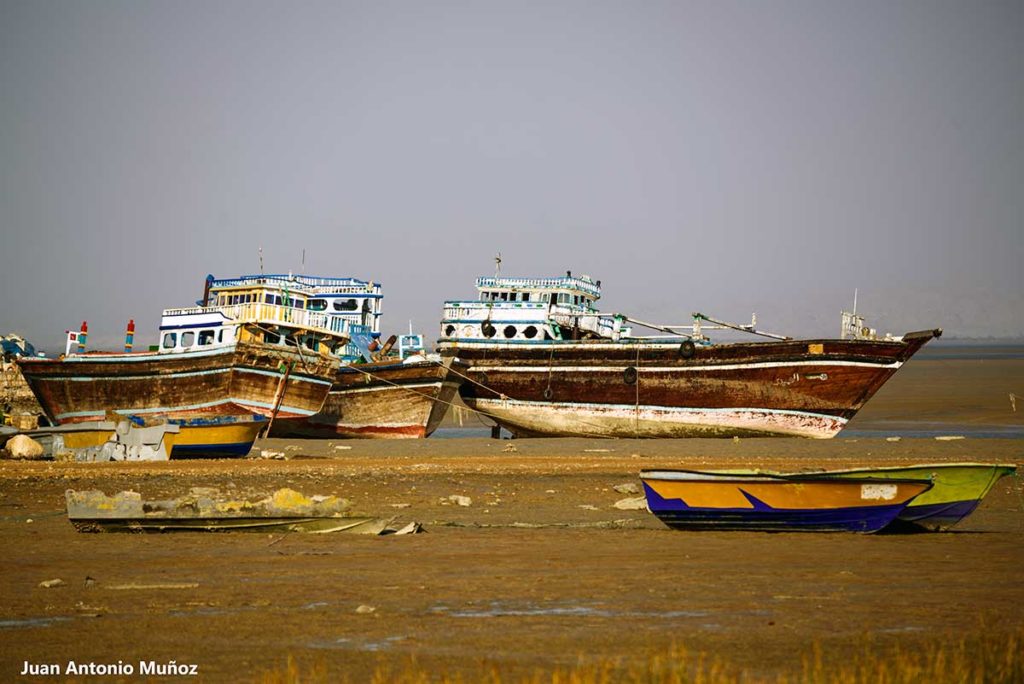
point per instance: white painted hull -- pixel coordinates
(571, 419)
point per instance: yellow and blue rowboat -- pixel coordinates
(690, 499)
(229, 436)
(957, 488)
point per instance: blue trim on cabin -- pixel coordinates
(193, 325)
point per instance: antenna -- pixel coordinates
(303, 258)
(261, 259)
(410, 326)
(854, 301)
(497, 265)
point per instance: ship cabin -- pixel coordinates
(334, 316)
(530, 311)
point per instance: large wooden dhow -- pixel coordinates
(252, 345)
(232, 379)
(544, 362)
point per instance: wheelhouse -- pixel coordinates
(529, 311)
(331, 316)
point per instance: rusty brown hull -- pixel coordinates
(243, 378)
(808, 388)
(382, 401)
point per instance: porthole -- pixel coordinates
(510, 331)
(488, 330)
(629, 375)
(530, 332)
(449, 331)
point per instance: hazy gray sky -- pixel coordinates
(726, 157)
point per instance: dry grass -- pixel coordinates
(982, 658)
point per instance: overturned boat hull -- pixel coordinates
(239, 379)
(698, 500)
(806, 388)
(383, 400)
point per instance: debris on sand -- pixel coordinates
(118, 439)
(50, 584)
(205, 509)
(460, 500)
(632, 504)
(949, 438)
(411, 528)
(627, 488)
(23, 446)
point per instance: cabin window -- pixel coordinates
(317, 304)
(449, 330)
(205, 337)
(220, 335)
(299, 304)
(345, 305)
(170, 340)
(271, 338)
(309, 342)
(188, 339)
(526, 296)
(268, 298)
(545, 297)
(510, 331)
(530, 332)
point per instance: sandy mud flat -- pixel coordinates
(538, 571)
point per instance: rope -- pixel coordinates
(442, 401)
(551, 370)
(422, 394)
(471, 380)
(284, 338)
(636, 415)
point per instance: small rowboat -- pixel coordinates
(957, 488)
(691, 499)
